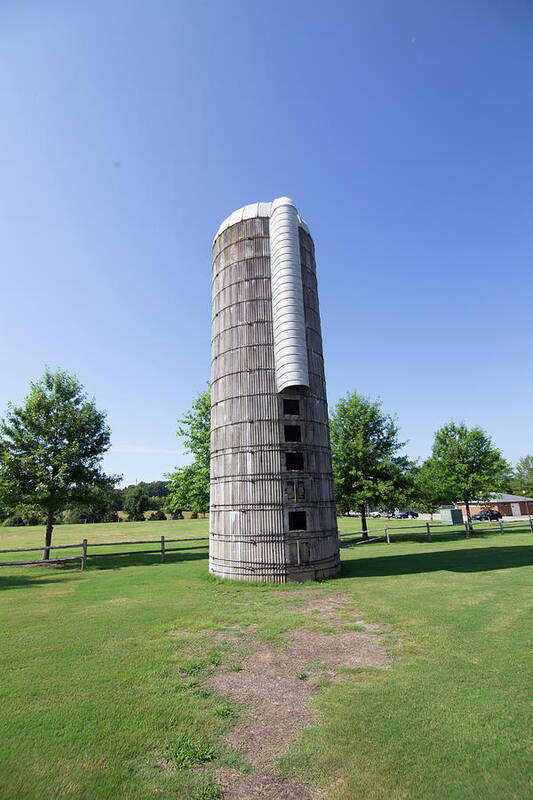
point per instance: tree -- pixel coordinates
(427, 493)
(189, 486)
(466, 465)
(522, 477)
(136, 502)
(189, 489)
(367, 467)
(155, 488)
(51, 448)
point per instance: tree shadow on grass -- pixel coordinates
(97, 562)
(477, 560)
(22, 580)
(120, 560)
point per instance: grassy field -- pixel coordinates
(102, 671)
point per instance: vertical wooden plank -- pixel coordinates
(84, 554)
(162, 548)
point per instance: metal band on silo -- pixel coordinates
(288, 318)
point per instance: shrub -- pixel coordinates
(176, 515)
(33, 517)
(111, 516)
(15, 521)
(157, 515)
(136, 502)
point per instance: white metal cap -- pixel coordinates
(258, 210)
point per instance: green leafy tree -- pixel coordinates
(51, 448)
(136, 502)
(522, 477)
(189, 486)
(367, 466)
(466, 465)
(189, 490)
(427, 493)
(155, 488)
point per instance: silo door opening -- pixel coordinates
(294, 461)
(293, 433)
(291, 408)
(297, 521)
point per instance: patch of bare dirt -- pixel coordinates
(264, 784)
(329, 609)
(276, 685)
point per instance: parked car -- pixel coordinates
(405, 514)
(375, 514)
(488, 514)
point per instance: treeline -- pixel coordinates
(51, 448)
(103, 505)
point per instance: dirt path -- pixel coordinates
(276, 686)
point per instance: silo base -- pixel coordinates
(262, 573)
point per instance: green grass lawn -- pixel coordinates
(102, 671)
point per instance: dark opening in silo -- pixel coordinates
(294, 461)
(297, 521)
(293, 433)
(291, 407)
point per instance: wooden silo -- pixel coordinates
(272, 514)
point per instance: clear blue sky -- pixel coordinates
(404, 132)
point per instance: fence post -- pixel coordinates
(429, 531)
(531, 524)
(467, 529)
(84, 554)
(387, 535)
(162, 548)
(501, 526)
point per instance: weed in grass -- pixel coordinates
(318, 666)
(207, 790)
(353, 627)
(225, 711)
(235, 668)
(202, 691)
(302, 676)
(192, 667)
(189, 751)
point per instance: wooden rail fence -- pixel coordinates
(163, 549)
(387, 533)
(467, 530)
